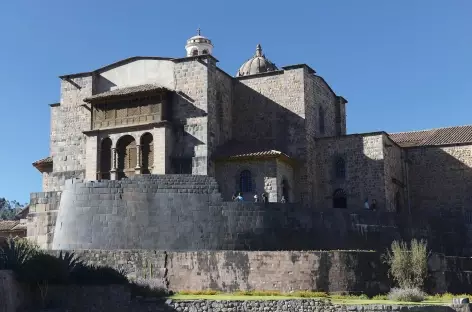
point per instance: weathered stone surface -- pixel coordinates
(11, 295)
(285, 271)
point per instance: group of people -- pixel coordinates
(239, 197)
(372, 206)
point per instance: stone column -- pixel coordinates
(138, 159)
(113, 174)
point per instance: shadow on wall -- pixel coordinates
(260, 120)
(185, 134)
(441, 201)
(275, 226)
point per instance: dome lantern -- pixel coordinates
(256, 65)
(198, 45)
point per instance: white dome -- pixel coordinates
(256, 65)
(198, 45)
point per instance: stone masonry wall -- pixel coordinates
(228, 271)
(41, 219)
(264, 178)
(440, 178)
(184, 212)
(285, 271)
(323, 99)
(190, 110)
(395, 181)
(306, 305)
(285, 172)
(365, 173)
(67, 123)
(270, 110)
(220, 96)
(55, 181)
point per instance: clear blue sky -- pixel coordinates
(402, 64)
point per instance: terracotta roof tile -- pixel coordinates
(7, 225)
(234, 150)
(125, 91)
(440, 136)
(19, 227)
(46, 160)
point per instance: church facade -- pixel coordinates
(275, 130)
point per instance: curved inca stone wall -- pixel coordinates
(171, 212)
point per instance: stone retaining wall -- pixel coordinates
(306, 305)
(284, 271)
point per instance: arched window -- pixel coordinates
(245, 181)
(340, 168)
(398, 202)
(321, 120)
(339, 199)
(127, 161)
(147, 153)
(194, 52)
(205, 52)
(105, 159)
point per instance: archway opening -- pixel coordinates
(147, 153)
(339, 199)
(105, 159)
(127, 160)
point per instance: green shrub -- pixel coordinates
(379, 297)
(408, 267)
(44, 268)
(70, 260)
(309, 294)
(406, 294)
(15, 253)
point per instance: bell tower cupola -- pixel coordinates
(198, 45)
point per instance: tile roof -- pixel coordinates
(19, 227)
(46, 160)
(235, 150)
(7, 225)
(125, 91)
(440, 136)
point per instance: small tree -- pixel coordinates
(408, 266)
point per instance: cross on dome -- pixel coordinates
(198, 45)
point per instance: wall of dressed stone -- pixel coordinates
(365, 172)
(440, 177)
(185, 212)
(395, 177)
(269, 110)
(190, 113)
(68, 120)
(41, 220)
(283, 271)
(264, 178)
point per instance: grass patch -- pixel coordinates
(439, 299)
(207, 292)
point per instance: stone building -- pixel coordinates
(278, 130)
